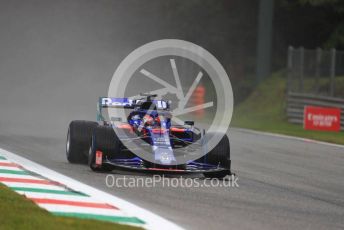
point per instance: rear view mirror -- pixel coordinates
(191, 123)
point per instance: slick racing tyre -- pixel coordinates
(79, 140)
(220, 155)
(104, 140)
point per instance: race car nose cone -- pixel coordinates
(164, 156)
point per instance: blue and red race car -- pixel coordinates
(113, 144)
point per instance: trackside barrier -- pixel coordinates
(297, 101)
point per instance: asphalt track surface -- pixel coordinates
(284, 184)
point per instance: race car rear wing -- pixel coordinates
(125, 103)
(112, 102)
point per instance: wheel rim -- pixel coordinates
(90, 152)
(68, 143)
(91, 159)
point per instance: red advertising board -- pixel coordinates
(321, 118)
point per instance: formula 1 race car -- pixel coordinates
(103, 144)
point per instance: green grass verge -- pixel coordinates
(17, 212)
(264, 110)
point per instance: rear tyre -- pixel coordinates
(220, 155)
(79, 140)
(104, 139)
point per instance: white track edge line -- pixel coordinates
(153, 221)
(286, 137)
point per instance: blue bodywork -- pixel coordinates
(151, 120)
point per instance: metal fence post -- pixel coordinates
(302, 56)
(317, 69)
(332, 71)
(289, 67)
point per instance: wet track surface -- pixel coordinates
(284, 184)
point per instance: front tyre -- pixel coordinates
(104, 140)
(220, 155)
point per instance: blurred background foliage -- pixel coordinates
(68, 44)
(228, 28)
